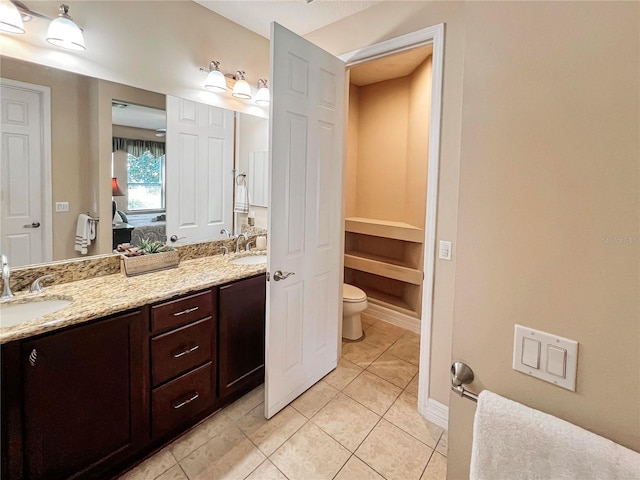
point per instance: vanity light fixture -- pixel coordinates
(63, 32)
(10, 18)
(262, 97)
(241, 89)
(215, 79)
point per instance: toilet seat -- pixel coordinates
(352, 294)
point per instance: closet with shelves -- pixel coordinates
(386, 181)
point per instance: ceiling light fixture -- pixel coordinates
(63, 32)
(10, 18)
(215, 79)
(262, 97)
(241, 89)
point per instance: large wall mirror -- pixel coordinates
(43, 201)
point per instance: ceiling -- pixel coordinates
(390, 66)
(296, 15)
(138, 116)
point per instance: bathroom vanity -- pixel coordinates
(88, 397)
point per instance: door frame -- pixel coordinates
(434, 35)
(46, 179)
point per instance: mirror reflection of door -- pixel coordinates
(138, 174)
(25, 173)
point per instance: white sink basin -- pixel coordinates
(15, 313)
(249, 260)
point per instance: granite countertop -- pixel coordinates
(102, 296)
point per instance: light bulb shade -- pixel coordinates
(63, 32)
(263, 97)
(242, 89)
(215, 81)
(116, 191)
(10, 18)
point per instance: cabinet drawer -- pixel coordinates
(181, 311)
(179, 350)
(181, 399)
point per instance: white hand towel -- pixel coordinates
(84, 233)
(513, 442)
(242, 199)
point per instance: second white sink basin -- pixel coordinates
(15, 313)
(249, 260)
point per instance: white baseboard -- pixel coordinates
(437, 413)
(393, 317)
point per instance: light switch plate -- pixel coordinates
(62, 206)
(558, 357)
(444, 250)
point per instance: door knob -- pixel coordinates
(175, 238)
(280, 275)
(33, 225)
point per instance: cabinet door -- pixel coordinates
(82, 397)
(241, 335)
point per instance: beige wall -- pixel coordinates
(544, 154)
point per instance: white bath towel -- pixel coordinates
(241, 204)
(85, 233)
(513, 442)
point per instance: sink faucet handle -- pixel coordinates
(35, 286)
(6, 279)
(248, 245)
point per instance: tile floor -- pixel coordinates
(359, 422)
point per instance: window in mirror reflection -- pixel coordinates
(145, 179)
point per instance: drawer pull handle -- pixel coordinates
(188, 310)
(188, 350)
(186, 402)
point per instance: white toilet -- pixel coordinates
(354, 301)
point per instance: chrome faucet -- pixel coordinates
(224, 231)
(6, 279)
(248, 245)
(246, 237)
(35, 286)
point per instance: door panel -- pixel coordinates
(305, 187)
(199, 169)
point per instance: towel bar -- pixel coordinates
(461, 374)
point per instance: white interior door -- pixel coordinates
(199, 182)
(305, 217)
(25, 224)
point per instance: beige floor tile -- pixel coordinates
(344, 373)
(346, 420)
(390, 329)
(404, 414)
(174, 473)
(406, 350)
(356, 469)
(245, 404)
(396, 455)
(410, 337)
(229, 455)
(362, 354)
(367, 320)
(200, 435)
(311, 401)
(266, 471)
(310, 454)
(412, 388)
(436, 469)
(373, 392)
(152, 467)
(270, 434)
(443, 444)
(379, 338)
(393, 369)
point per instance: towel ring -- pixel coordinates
(241, 179)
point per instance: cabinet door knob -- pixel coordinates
(33, 357)
(188, 310)
(188, 350)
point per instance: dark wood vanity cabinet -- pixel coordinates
(183, 361)
(241, 325)
(72, 401)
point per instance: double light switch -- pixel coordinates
(545, 356)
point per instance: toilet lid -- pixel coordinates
(352, 294)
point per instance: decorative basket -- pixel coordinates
(153, 262)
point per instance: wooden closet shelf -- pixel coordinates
(390, 301)
(385, 267)
(384, 228)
